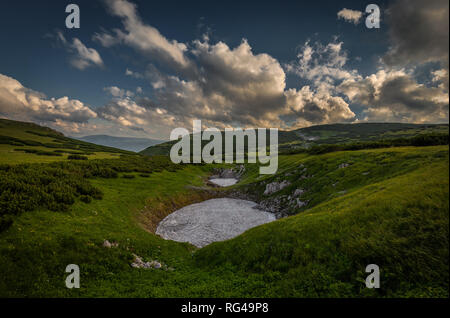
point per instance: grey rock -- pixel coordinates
(109, 244)
(299, 203)
(156, 265)
(227, 173)
(139, 263)
(275, 187)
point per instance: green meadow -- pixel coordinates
(388, 206)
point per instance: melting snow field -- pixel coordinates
(213, 220)
(224, 182)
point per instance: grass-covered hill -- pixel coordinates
(332, 134)
(384, 206)
(41, 168)
(22, 142)
(125, 143)
(388, 208)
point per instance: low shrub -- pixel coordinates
(77, 157)
(56, 186)
(86, 198)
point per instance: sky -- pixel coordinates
(143, 68)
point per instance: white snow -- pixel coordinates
(224, 182)
(212, 220)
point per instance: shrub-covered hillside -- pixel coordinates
(344, 210)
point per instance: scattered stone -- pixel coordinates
(298, 192)
(227, 173)
(301, 168)
(343, 165)
(109, 244)
(365, 173)
(230, 173)
(275, 204)
(139, 263)
(156, 264)
(299, 203)
(275, 187)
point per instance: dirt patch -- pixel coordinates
(157, 209)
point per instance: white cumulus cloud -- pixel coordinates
(352, 16)
(141, 36)
(21, 103)
(82, 56)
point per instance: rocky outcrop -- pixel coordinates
(298, 203)
(235, 173)
(275, 187)
(298, 192)
(139, 263)
(283, 205)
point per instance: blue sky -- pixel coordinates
(39, 52)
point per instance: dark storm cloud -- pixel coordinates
(396, 96)
(419, 32)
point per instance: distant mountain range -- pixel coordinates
(125, 143)
(331, 134)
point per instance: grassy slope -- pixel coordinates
(399, 222)
(323, 180)
(32, 132)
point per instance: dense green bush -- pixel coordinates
(29, 187)
(77, 157)
(56, 186)
(59, 141)
(7, 140)
(86, 198)
(40, 152)
(418, 141)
